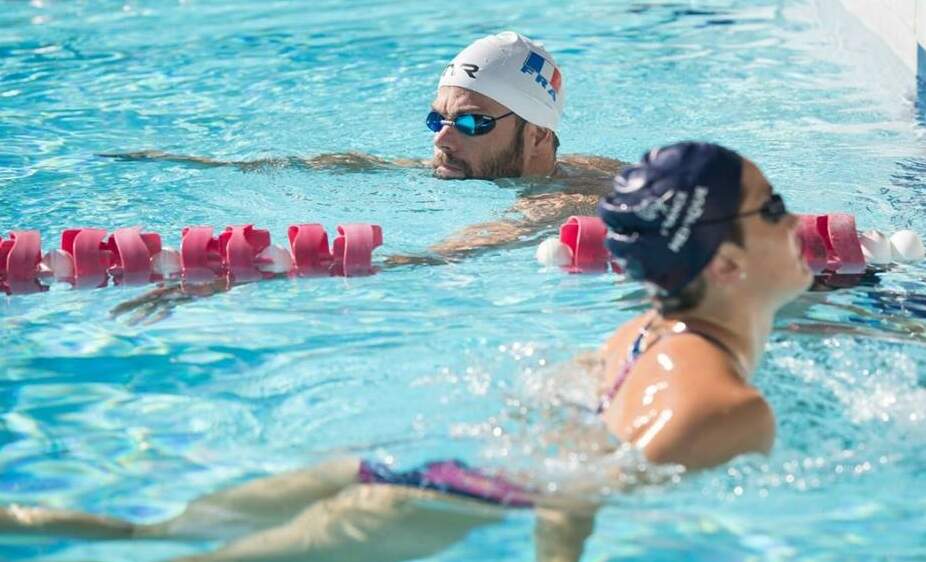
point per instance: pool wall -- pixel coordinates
(900, 24)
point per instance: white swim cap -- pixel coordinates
(514, 71)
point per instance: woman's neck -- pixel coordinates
(742, 328)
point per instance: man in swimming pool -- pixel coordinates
(704, 229)
(496, 113)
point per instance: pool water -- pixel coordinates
(133, 418)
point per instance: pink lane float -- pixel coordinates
(87, 257)
(832, 247)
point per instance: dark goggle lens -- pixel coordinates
(774, 209)
(434, 121)
(469, 124)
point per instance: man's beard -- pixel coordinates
(506, 164)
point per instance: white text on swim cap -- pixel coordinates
(691, 216)
(678, 202)
(650, 208)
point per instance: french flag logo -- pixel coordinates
(547, 75)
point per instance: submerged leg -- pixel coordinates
(58, 522)
(364, 523)
(559, 536)
(259, 504)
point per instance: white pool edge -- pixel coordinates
(872, 40)
(900, 24)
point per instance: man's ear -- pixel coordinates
(538, 136)
(728, 264)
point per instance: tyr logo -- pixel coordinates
(469, 69)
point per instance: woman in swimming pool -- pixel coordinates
(703, 228)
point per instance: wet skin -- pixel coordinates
(662, 405)
(513, 148)
(685, 401)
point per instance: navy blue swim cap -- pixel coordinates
(660, 212)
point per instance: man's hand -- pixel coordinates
(400, 260)
(157, 304)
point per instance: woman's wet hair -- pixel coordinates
(691, 295)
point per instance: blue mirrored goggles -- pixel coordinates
(470, 124)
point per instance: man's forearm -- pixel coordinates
(482, 236)
(537, 212)
(344, 161)
(160, 156)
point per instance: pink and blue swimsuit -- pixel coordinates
(456, 478)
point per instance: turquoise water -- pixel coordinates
(134, 419)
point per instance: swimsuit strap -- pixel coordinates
(633, 353)
(713, 339)
(637, 349)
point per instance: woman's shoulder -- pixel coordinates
(715, 413)
(711, 425)
(624, 335)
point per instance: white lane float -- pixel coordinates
(906, 246)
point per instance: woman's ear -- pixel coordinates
(728, 265)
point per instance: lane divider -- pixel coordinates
(89, 257)
(832, 247)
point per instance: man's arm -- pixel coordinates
(590, 166)
(158, 303)
(584, 177)
(538, 213)
(342, 161)
(579, 180)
